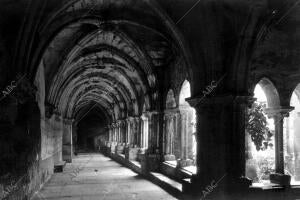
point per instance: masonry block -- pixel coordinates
(281, 179)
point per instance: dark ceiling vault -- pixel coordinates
(112, 62)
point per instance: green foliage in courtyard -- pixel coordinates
(256, 126)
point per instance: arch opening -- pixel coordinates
(188, 129)
(291, 138)
(260, 133)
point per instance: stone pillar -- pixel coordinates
(220, 139)
(110, 132)
(145, 132)
(153, 138)
(186, 136)
(153, 155)
(75, 137)
(171, 140)
(278, 114)
(67, 140)
(118, 124)
(132, 140)
(296, 147)
(137, 132)
(123, 131)
(131, 152)
(129, 131)
(116, 132)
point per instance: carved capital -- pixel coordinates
(68, 121)
(280, 112)
(24, 91)
(49, 110)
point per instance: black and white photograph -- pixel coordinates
(149, 99)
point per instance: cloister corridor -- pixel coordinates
(150, 99)
(96, 177)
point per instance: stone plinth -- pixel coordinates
(120, 149)
(113, 147)
(153, 162)
(281, 179)
(184, 163)
(131, 153)
(169, 157)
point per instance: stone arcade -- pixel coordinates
(162, 87)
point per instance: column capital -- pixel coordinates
(144, 117)
(150, 113)
(122, 123)
(246, 100)
(57, 116)
(221, 99)
(278, 111)
(171, 111)
(68, 121)
(136, 119)
(217, 103)
(114, 125)
(130, 119)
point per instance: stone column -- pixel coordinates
(123, 127)
(145, 131)
(171, 140)
(111, 147)
(118, 129)
(110, 132)
(278, 114)
(220, 141)
(153, 124)
(129, 131)
(67, 140)
(184, 134)
(132, 132)
(296, 146)
(117, 132)
(138, 131)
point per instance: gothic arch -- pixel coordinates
(273, 99)
(170, 100)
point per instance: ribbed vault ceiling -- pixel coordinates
(109, 66)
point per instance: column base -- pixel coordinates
(224, 185)
(120, 149)
(184, 163)
(67, 153)
(169, 157)
(113, 147)
(281, 179)
(131, 153)
(141, 154)
(153, 162)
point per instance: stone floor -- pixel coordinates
(94, 176)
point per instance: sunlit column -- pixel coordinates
(145, 131)
(278, 114)
(183, 134)
(129, 131)
(296, 146)
(110, 131)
